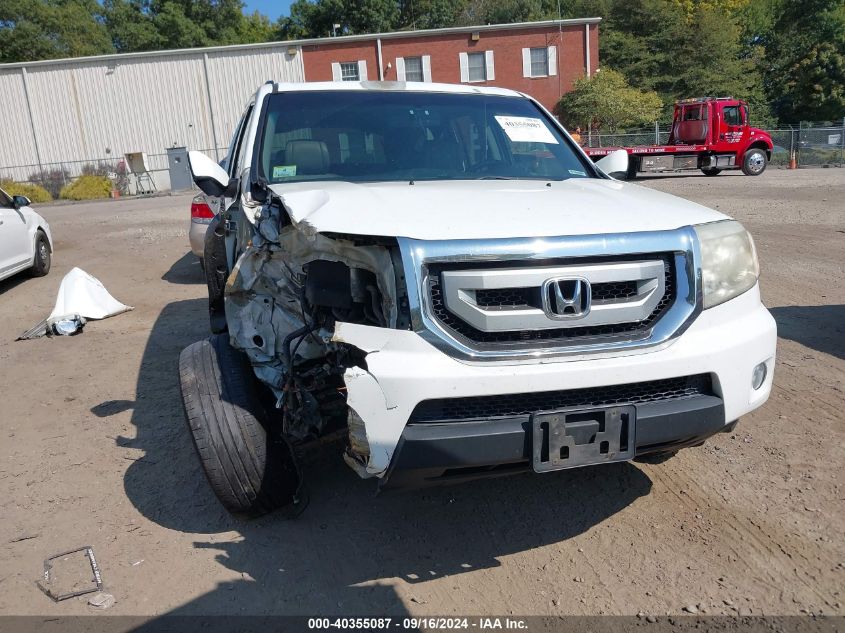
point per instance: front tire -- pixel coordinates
(43, 257)
(754, 163)
(250, 471)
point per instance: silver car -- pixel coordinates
(202, 212)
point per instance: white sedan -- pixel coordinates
(25, 240)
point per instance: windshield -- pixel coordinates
(394, 136)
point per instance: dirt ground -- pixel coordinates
(95, 452)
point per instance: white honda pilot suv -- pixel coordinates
(438, 278)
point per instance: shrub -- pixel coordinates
(87, 188)
(51, 179)
(35, 193)
(99, 168)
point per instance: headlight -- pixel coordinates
(728, 261)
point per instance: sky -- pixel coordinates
(271, 8)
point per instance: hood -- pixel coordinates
(486, 209)
(755, 132)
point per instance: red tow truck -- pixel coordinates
(708, 133)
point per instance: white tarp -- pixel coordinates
(81, 298)
(84, 295)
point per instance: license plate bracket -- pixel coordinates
(582, 437)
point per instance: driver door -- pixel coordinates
(732, 124)
(15, 246)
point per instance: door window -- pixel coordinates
(733, 115)
(236, 158)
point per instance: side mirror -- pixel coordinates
(615, 164)
(20, 201)
(210, 177)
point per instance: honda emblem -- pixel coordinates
(566, 298)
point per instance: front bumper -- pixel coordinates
(439, 453)
(726, 342)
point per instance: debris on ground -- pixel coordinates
(101, 600)
(81, 298)
(25, 537)
(70, 574)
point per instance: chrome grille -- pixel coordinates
(513, 297)
(518, 297)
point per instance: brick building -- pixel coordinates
(539, 58)
(68, 113)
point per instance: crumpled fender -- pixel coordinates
(262, 301)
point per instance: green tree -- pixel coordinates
(713, 61)
(805, 50)
(47, 29)
(185, 23)
(130, 26)
(143, 25)
(429, 14)
(255, 27)
(316, 19)
(607, 102)
(177, 30)
(640, 38)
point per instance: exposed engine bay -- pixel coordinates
(287, 291)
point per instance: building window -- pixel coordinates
(414, 69)
(476, 67)
(349, 71)
(539, 62)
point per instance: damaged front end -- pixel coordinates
(287, 292)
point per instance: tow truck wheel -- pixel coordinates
(754, 163)
(711, 171)
(249, 470)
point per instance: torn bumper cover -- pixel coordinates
(408, 444)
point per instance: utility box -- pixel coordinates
(180, 171)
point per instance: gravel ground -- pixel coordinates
(95, 451)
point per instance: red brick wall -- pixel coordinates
(506, 45)
(318, 58)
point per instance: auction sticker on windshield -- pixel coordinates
(523, 129)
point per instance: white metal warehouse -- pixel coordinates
(92, 108)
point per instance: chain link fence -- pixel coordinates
(54, 176)
(812, 144)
